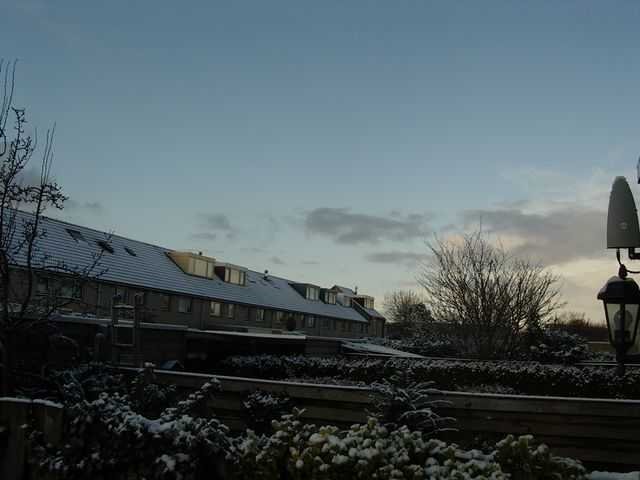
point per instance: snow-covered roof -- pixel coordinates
(148, 266)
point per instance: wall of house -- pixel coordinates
(96, 299)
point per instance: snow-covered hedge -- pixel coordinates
(524, 377)
(368, 451)
(559, 346)
(107, 438)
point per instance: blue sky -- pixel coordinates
(326, 140)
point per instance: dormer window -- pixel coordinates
(237, 277)
(366, 301)
(330, 297)
(346, 301)
(313, 293)
(194, 264)
(201, 267)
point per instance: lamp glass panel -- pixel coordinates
(627, 319)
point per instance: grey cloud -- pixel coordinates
(212, 224)
(204, 236)
(92, 207)
(397, 257)
(555, 237)
(277, 261)
(310, 262)
(253, 250)
(345, 227)
(215, 221)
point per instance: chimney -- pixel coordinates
(266, 274)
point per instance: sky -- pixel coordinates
(328, 141)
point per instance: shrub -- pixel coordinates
(260, 408)
(432, 345)
(558, 346)
(524, 377)
(298, 451)
(402, 402)
(107, 437)
(525, 460)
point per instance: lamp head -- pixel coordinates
(622, 219)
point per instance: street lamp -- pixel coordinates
(621, 299)
(621, 295)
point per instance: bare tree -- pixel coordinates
(487, 296)
(407, 311)
(23, 202)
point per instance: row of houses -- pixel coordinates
(187, 288)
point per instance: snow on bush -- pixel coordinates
(367, 451)
(400, 401)
(107, 437)
(260, 408)
(523, 377)
(559, 346)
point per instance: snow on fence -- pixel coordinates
(593, 430)
(15, 416)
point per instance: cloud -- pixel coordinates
(310, 262)
(204, 236)
(277, 261)
(345, 227)
(397, 257)
(212, 224)
(553, 237)
(215, 221)
(74, 206)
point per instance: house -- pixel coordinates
(191, 289)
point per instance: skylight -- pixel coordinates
(76, 235)
(105, 246)
(130, 252)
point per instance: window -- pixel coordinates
(184, 305)
(346, 301)
(143, 297)
(42, 287)
(69, 289)
(368, 302)
(310, 321)
(215, 309)
(199, 267)
(260, 315)
(330, 297)
(279, 319)
(237, 277)
(165, 302)
(122, 293)
(105, 246)
(325, 323)
(313, 293)
(130, 252)
(76, 235)
(230, 310)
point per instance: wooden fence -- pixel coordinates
(600, 431)
(16, 414)
(597, 431)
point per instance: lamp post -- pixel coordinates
(621, 299)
